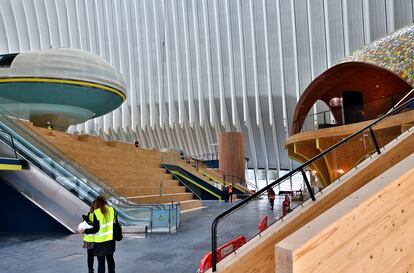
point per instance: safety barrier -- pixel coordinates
(262, 224)
(222, 252)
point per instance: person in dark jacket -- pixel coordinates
(104, 243)
(272, 196)
(88, 239)
(226, 193)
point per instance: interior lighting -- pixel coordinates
(340, 171)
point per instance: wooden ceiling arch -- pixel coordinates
(374, 82)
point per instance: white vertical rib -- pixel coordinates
(188, 64)
(208, 61)
(243, 62)
(346, 25)
(254, 55)
(281, 66)
(149, 67)
(267, 60)
(142, 102)
(171, 108)
(327, 33)
(220, 65)
(198, 69)
(131, 68)
(269, 84)
(295, 52)
(367, 24)
(390, 9)
(159, 65)
(231, 64)
(178, 65)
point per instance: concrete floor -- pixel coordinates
(172, 253)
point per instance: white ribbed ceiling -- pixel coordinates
(195, 68)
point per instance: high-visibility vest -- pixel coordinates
(106, 225)
(89, 237)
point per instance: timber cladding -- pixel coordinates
(258, 254)
(370, 231)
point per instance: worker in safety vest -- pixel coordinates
(89, 238)
(103, 234)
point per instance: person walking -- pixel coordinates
(226, 193)
(104, 243)
(272, 196)
(286, 205)
(231, 193)
(88, 238)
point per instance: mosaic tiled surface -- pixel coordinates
(394, 52)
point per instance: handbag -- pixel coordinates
(117, 230)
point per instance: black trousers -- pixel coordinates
(90, 260)
(111, 263)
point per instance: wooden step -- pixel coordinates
(165, 198)
(190, 205)
(121, 183)
(142, 191)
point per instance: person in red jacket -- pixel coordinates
(231, 193)
(286, 205)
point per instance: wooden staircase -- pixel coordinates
(200, 171)
(135, 173)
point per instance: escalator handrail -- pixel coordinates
(63, 156)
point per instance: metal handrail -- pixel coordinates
(223, 174)
(164, 166)
(391, 98)
(12, 142)
(301, 169)
(63, 156)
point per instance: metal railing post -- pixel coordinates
(305, 178)
(374, 140)
(214, 245)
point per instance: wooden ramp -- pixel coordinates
(133, 172)
(369, 231)
(258, 254)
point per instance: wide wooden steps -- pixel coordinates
(133, 172)
(140, 191)
(165, 198)
(190, 205)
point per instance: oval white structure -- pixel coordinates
(62, 86)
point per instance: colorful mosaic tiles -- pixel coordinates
(394, 52)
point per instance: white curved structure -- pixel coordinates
(195, 68)
(62, 86)
(65, 63)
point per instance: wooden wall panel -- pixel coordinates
(231, 154)
(370, 231)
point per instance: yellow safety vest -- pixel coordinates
(106, 225)
(89, 237)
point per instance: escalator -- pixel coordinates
(64, 190)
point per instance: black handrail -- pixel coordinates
(63, 156)
(281, 179)
(222, 174)
(12, 142)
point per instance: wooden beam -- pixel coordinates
(370, 231)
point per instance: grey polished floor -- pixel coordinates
(172, 253)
